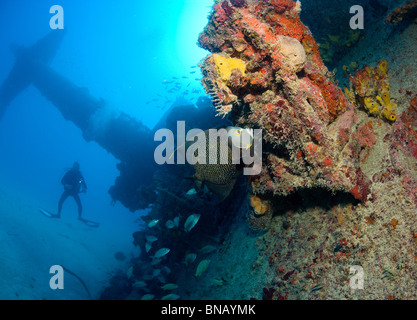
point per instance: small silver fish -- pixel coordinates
(169, 286)
(191, 192)
(217, 282)
(162, 279)
(191, 222)
(139, 284)
(147, 277)
(161, 252)
(202, 266)
(153, 223)
(189, 258)
(129, 272)
(148, 297)
(170, 296)
(150, 238)
(207, 249)
(177, 221)
(166, 270)
(170, 224)
(148, 246)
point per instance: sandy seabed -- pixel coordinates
(31, 243)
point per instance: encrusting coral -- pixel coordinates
(281, 85)
(259, 206)
(407, 9)
(265, 72)
(370, 88)
(316, 141)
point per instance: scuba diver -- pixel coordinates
(74, 184)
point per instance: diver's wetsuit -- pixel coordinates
(73, 181)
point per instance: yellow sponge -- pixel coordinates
(225, 66)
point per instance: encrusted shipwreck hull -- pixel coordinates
(266, 72)
(338, 186)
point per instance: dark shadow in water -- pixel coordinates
(311, 198)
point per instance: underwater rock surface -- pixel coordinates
(319, 141)
(285, 89)
(339, 178)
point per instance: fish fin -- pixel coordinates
(92, 224)
(48, 213)
(198, 184)
(221, 190)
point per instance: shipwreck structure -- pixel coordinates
(123, 136)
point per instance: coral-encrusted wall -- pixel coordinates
(315, 139)
(284, 89)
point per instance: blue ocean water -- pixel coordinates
(95, 93)
(122, 52)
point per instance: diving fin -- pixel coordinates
(48, 214)
(90, 223)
